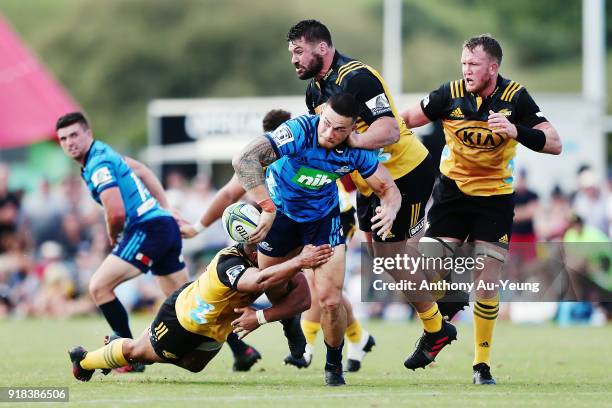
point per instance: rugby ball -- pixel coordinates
(240, 220)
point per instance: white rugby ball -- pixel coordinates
(240, 220)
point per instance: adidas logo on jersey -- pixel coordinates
(504, 239)
(457, 113)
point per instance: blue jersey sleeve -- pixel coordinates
(290, 137)
(103, 175)
(365, 161)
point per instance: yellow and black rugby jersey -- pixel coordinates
(207, 305)
(375, 101)
(478, 160)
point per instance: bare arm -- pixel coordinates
(295, 301)
(414, 116)
(553, 141)
(260, 281)
(114, 213)
(384, 131)
(500, 124)
(390, 200)
(150, 181)
(248, 165)
(229, 194)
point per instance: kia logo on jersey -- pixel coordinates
(479, 138)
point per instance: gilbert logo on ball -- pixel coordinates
(240, 220)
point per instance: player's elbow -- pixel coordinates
(393, 132)
(116, 217)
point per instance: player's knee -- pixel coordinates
(330, 301)
(432, 247)
(98, 291)
(484, 251)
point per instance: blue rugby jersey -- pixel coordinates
(105, 168)
(302, 183)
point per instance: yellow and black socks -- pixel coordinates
(310, 330)
(354, 332)
(431, 319)
(109, 356)
(485, 315)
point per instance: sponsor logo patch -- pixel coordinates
(505, 112)
(343, 170)
(233, 273)
(282, 135)
(379, 104)
(426, 101)
(414, 230)
(265, 246)
(313, 179)
(101, 176)
(479, 138)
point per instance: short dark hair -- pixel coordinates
(344, 104)
(311, 30)
(489, 45)
(70, 119)
(274, 119)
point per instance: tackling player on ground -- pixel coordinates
(194, 321)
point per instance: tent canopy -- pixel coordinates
(31, 100)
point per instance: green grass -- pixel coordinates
(534, 366)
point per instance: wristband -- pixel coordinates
(198, 226)
(267, 205)
(531, 138)
(261, 319)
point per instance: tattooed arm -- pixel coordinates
(248, 165)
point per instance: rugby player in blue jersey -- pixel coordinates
(143, 233)
(299, 200)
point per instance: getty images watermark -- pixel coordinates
(530, 272)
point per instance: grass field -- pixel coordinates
(534, 366)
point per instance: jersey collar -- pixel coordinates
(87, 156)
(332, 66)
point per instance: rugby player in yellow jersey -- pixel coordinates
(245, 356)
(484, 117)
(378, 127)
(193, 322)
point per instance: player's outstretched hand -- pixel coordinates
(265, 223)
(313, 256)
(383, 221)
(246, 323)
(188, 231)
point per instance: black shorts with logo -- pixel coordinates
(415, 188)
(169, 339)
(455, 214)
